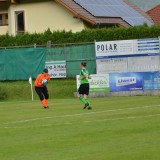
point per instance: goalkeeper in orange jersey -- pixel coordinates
(41, 89)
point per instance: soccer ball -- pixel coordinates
(44, 82)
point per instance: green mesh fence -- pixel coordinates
(19, 64)
(74, 55)
(2, 65)
(55, 54)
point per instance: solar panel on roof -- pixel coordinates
(102, 2)
(113, 8)
(137, 21)
(111, 11)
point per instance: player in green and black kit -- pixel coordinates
(83, 90)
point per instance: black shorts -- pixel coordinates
(42, 92)
(84, 89)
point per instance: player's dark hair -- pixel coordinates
(83, 64)
(45, 70)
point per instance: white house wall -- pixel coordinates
(3, 30)
(43, 15)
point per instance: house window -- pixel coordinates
(3, 19)
(20, 22)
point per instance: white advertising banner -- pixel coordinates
(98, 82)
(114, 49)
(150, 46)
(57, 69)
(143, 64)
(111, 65)
(137, 55)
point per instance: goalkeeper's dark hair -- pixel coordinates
(45, 70)
(84, 64)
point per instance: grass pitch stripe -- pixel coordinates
(78, 114)
(68, 123)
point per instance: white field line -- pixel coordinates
(123, 118)
(68, 123)
(52, 101)
(78, 114)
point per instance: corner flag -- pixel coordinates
(30, 82)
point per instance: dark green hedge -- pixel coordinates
(103, 34)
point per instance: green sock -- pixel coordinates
(83, 100)
(88, 101)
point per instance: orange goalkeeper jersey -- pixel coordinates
(40, 77)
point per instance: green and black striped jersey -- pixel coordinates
(83, 78)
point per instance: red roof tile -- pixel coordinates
(155, 14)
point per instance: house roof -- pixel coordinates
(77, 8)
(81, 12)
(4, 4)
(155, 14)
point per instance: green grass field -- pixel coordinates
(118, 128)
(20, 90)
